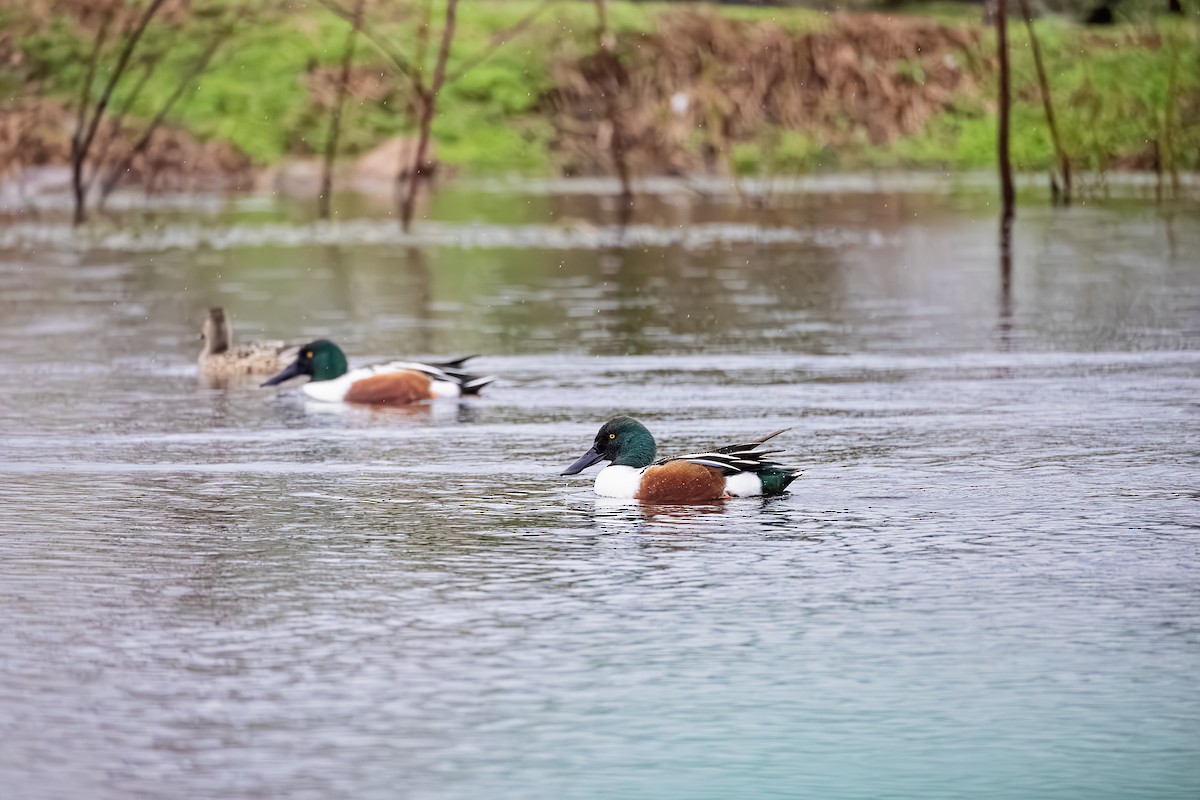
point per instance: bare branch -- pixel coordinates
(1007, 194)
(439, 71)
(116, 121)
(219, 36)
(402, 65)
(501, 39)
(81, 144)
(423, 38)
(1169, 112)
(85, 91)
(335, 117)
(611, 111)
(429, 104)
(1064, 163)
(122, 62)
(149, 65)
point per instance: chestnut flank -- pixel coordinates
(681, 482)
(392, 389)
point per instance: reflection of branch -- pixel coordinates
(402, 64)
(501, 39)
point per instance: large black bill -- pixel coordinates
(292, 371)
(585, 461)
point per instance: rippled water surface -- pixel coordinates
(986, 584)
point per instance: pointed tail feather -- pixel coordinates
(752, 444)
(456, 364)
(472, 384)
(762, 439)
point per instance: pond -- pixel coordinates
(986, 583)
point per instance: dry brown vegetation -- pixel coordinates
(37, 132)
(105, 143)
(866, 77)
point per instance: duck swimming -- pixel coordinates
(736, 470)
(391, 383)
(220, 358)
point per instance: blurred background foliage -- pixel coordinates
(522, 110)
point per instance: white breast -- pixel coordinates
(743, 484)
(334, 391)
(620, 482)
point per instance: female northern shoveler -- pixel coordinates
(221, 359)
(737, 470)
(394, 383)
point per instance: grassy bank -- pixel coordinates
(1110, 89)
(267, 91)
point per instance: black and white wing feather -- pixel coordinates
(470, 383)
(744, 457)
(448, 371)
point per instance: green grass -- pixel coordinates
(1110, 101)
(1110, 95)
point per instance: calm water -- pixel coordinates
(986, 584)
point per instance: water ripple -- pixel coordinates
(182, 236)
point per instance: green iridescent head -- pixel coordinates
(322, 359)
(622, 440)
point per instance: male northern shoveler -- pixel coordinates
(737, 470)
(222, 359)
(392, 384)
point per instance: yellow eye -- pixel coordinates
(308, 354)
(612, 436)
